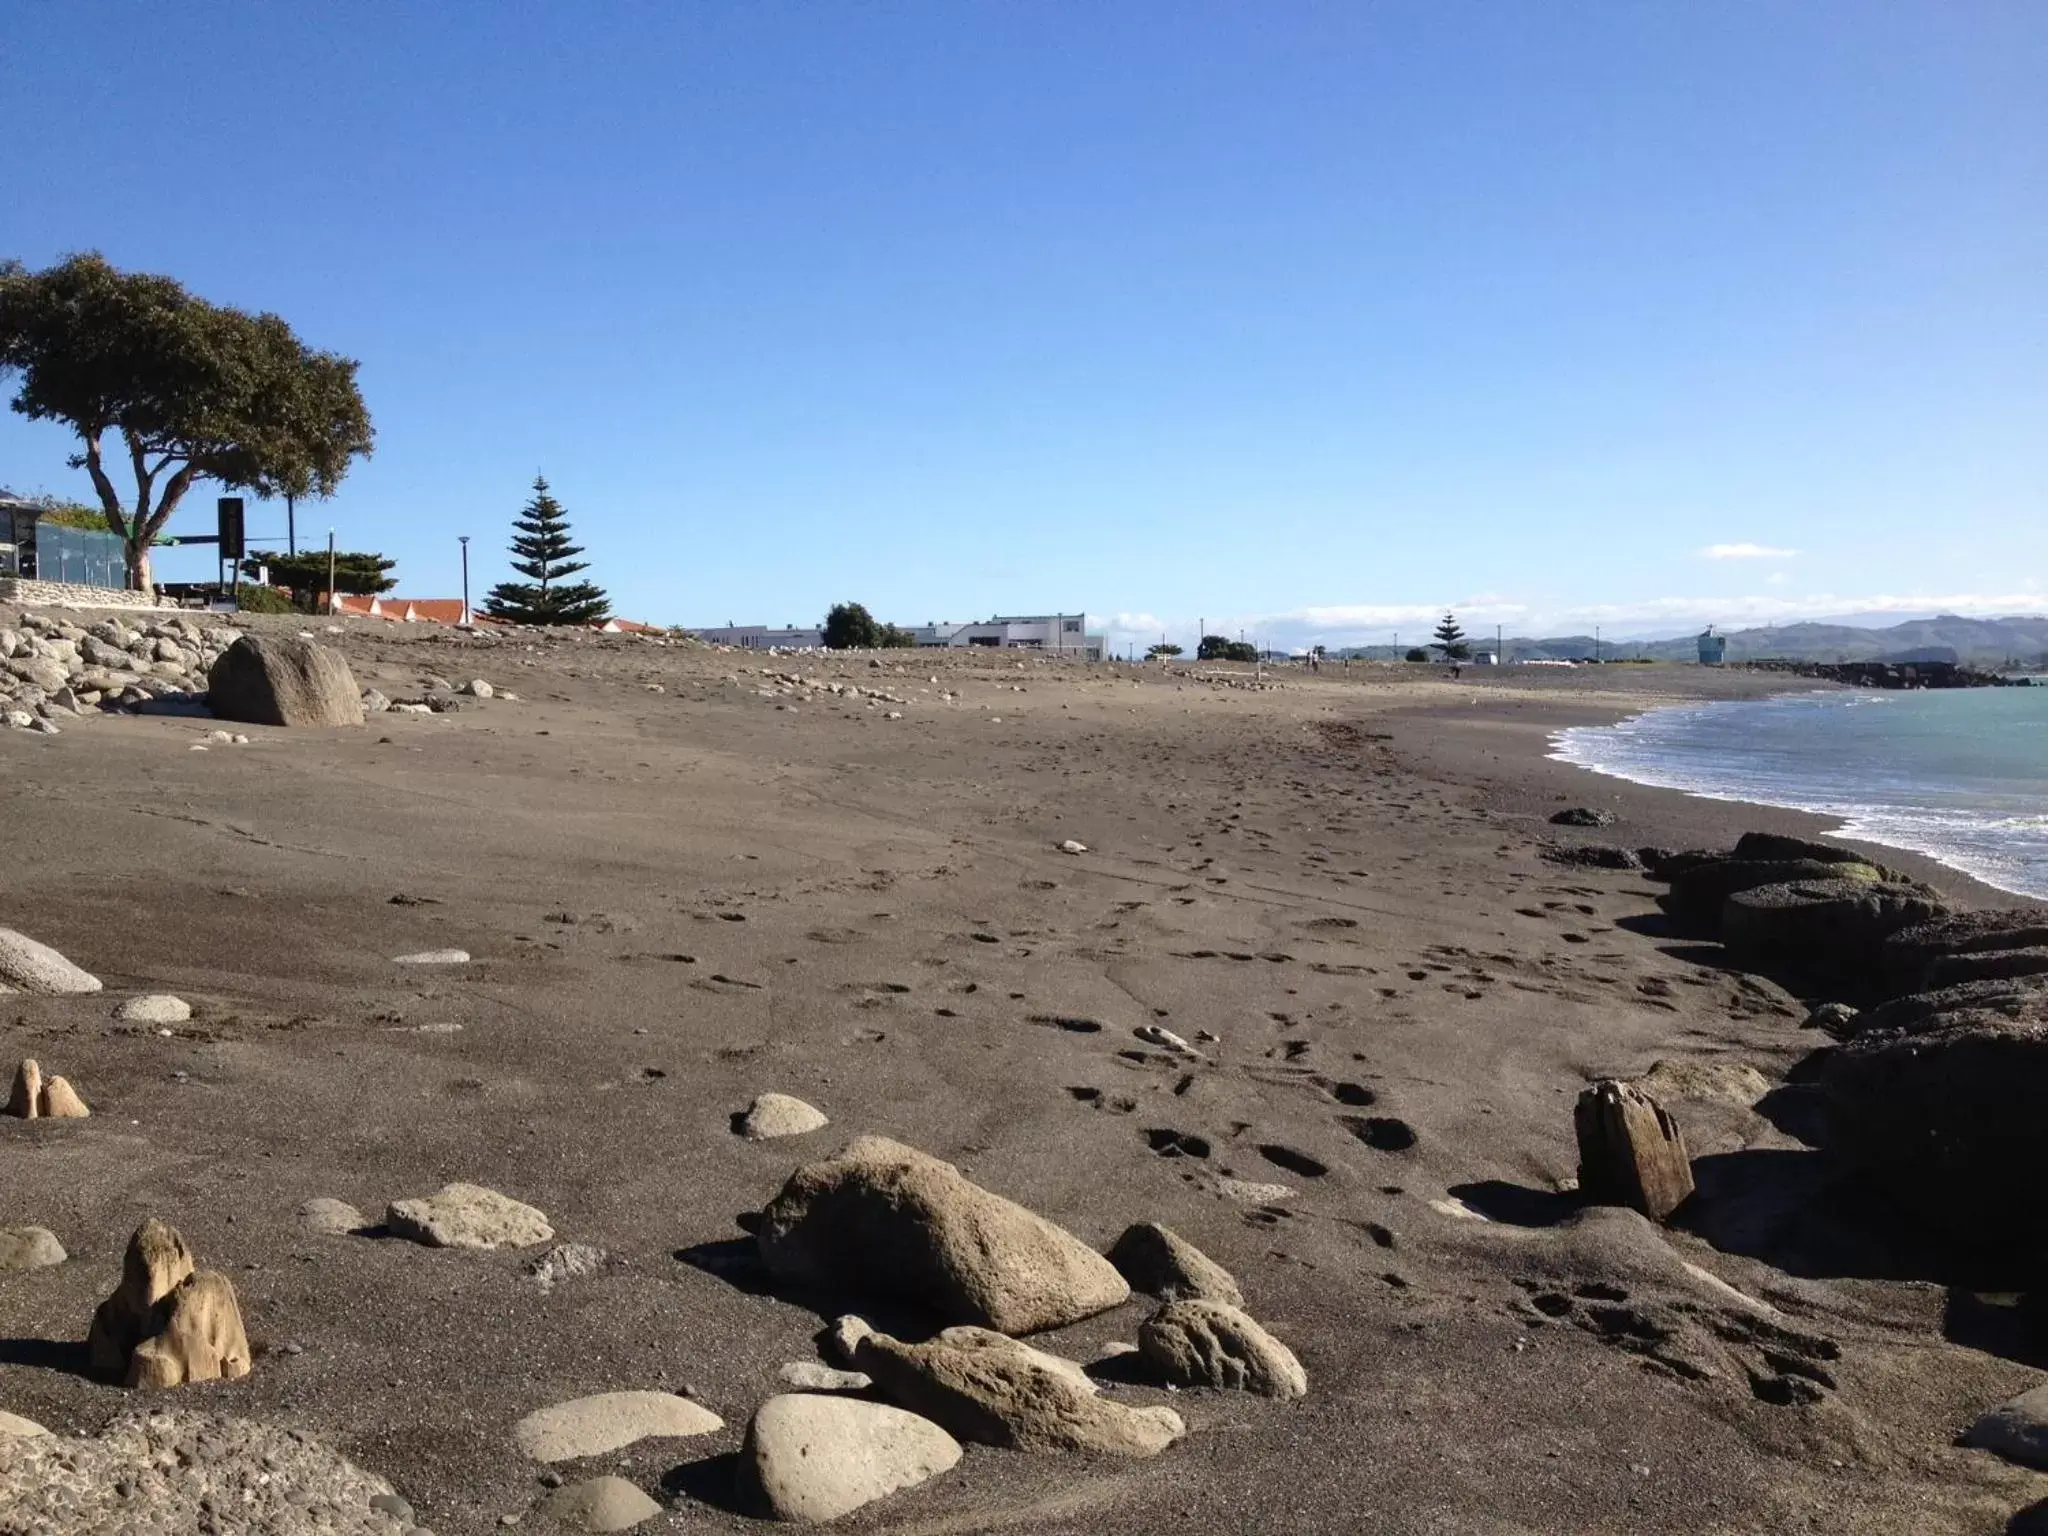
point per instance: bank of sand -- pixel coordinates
(679, 899)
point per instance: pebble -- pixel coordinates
(1249, 1192)
(815, 1376)
(433, 957)
(565, 1261)
(1071, 845)
(29, 1248)
(326, 1217)
(155, 1008)
(600, 1504)
(777, 1114)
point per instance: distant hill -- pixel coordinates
(1948, 637)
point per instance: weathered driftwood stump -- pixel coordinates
(167, 1323)
(1631, 1152)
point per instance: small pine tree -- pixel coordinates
(1451, 640)
(540, 543)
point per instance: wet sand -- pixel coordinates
(679, 899)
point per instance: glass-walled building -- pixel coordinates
(34, 549)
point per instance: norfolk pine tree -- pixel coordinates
(540, 543)
(1451, 640)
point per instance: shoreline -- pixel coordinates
(677, 900)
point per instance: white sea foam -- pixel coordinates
(1961, 777)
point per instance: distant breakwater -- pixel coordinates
(1890, 674)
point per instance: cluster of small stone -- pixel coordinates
(53, 670)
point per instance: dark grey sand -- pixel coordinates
(677, 900)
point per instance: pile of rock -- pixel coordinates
(53, 670)
(908, 1228)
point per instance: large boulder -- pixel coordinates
(887, 1220)
(1966, 946)
(982, 1386)
(27, 966)
(2020, 998)
(1829, 932)
(1213, 1344)
(1943, 1111)
(1698, 895)
(1778, 846)
(813, 1458)
(279, 680)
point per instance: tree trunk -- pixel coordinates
(140, 578)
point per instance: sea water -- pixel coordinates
(1960, 775)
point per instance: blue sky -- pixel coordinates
(1308, 318)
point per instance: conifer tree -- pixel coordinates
(1451, 640)
(540, 543)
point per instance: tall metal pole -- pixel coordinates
(332, 601)
(464, 539)
(1596, 642)
(291, 524)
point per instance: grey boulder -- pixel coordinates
(28, 966)
(278, 680)
(2017, 1430)
(898, 1223)
(29, 1248)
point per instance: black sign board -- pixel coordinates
(231, 528)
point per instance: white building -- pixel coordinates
(1052, 634)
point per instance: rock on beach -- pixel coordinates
(811, 1458)
(467, 1216)
(898, 1223)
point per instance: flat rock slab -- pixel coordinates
(15, 1424)
(433, 957)
(816, 1376)
(28, 966)
(29, 1248)
(331, 1218)
(156, 1008)
(777, 1114)
(467, 1216)
(811, 1458)
(591, 1426)
(601, 1504)
(2017, 1430)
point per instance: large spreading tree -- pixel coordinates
(165, 389)
(544, 555)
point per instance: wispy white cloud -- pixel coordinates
(1747, 552)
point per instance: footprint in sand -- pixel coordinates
(1294, 1162)
(1168, 1142)
(1383, 1133)
(1357, 1095)
(1072, 1026)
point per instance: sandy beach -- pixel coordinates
(685, 880)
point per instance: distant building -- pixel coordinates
(1053, 634)
(1712, 647)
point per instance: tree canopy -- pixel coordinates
(357, 572)
(1218, 648)
(1162, 650)
(1451, 640)
(850, 627)
(544, 555)
(190, 390)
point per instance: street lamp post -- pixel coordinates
(463, 540)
